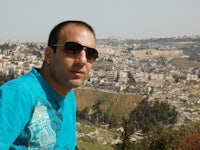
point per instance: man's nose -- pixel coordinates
(82, 58)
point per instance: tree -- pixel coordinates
(190, 142)
(125, 137)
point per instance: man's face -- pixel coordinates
(71, 71)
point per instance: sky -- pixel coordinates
(32, 20)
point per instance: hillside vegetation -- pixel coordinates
(117, 105)
(184, 63)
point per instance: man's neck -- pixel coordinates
(62, 91)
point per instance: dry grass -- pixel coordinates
(117, 104)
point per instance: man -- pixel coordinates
(38, 110)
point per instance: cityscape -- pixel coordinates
(163, 69)
(140, 67)
(143, 90)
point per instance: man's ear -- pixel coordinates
(48, 54)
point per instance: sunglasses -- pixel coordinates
(74, 48)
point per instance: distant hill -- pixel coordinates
(118, 105)
(184, 63)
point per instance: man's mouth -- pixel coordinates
(77, 73)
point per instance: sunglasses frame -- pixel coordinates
(74, 48)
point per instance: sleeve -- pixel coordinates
(15, 111)
(74, 114)
(73, 107)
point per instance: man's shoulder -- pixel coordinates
(21, 82)
(71, 94)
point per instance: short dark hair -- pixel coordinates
(53, 36)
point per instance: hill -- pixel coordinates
(111, 104)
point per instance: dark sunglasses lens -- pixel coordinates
(92, 53)
(73, 48)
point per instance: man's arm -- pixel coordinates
(14, 115)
